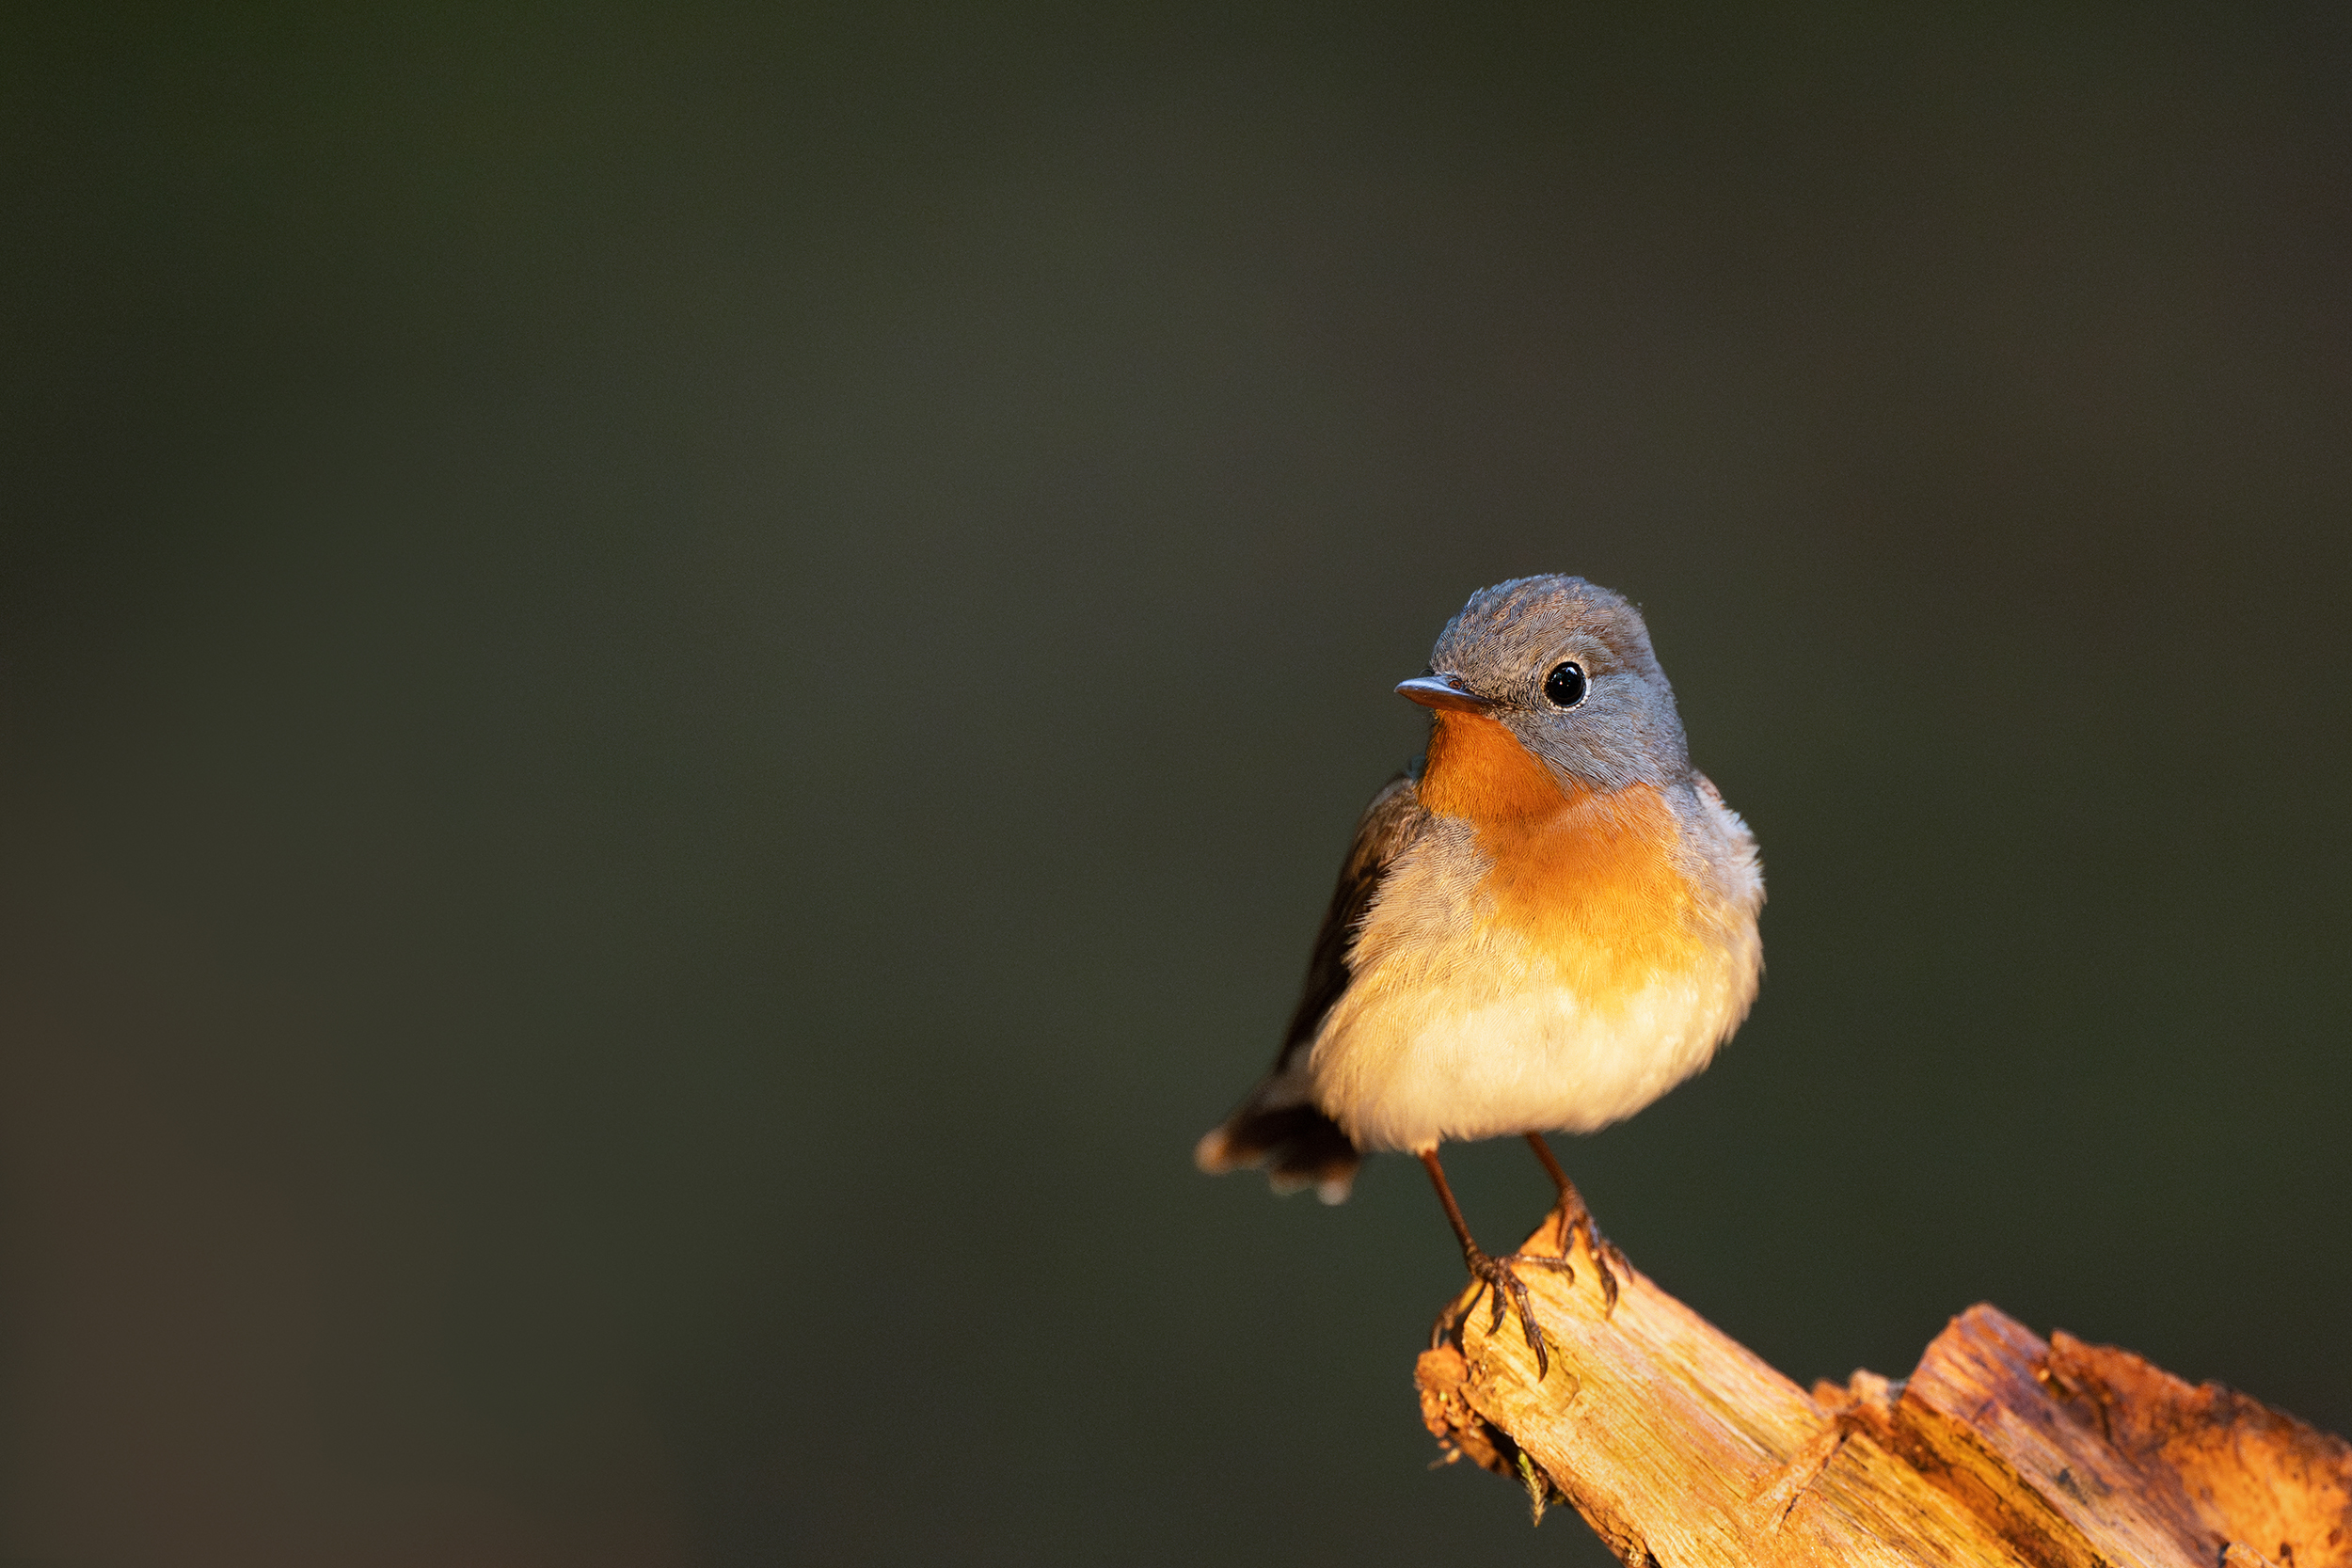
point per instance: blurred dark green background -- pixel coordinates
(677, 689)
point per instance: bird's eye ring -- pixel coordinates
(1566, 685)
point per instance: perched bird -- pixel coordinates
(1545, 924)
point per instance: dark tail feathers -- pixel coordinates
(1299, 1146)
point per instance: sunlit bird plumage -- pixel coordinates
(1545, 925)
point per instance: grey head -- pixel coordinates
(1566, 667)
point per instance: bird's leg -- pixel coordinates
(1574, 1216)
(1492, 1273)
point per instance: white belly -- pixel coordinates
(1453, 1028)
(1412, 1068)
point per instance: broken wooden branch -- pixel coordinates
(1683, 1449)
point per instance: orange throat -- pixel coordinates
(1589, 880)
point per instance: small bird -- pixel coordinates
(1545, 924)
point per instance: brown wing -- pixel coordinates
(1393, 821)
(1278, 1126)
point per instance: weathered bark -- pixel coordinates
(1684, 1450)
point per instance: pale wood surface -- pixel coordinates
(1684, 1450)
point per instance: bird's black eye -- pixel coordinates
(1565, 685)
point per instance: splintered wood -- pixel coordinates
(1684, 1450)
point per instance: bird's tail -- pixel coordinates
(1279, 1128)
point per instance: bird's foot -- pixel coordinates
(1574, 1217)
(1494, 1277)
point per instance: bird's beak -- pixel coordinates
(1446, 691)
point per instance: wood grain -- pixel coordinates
(1684, 1450)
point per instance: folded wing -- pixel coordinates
(1278, 1126)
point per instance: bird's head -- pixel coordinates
(1565, 668)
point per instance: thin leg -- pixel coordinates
(1492, 1273)
(1452, 1210)
(1575, 1216)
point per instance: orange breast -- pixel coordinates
(1590, 879)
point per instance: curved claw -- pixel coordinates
(1603, 1250)
(1575, 1216)
(1493, 1278)
(1495, 1274)
(1527, 1320)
